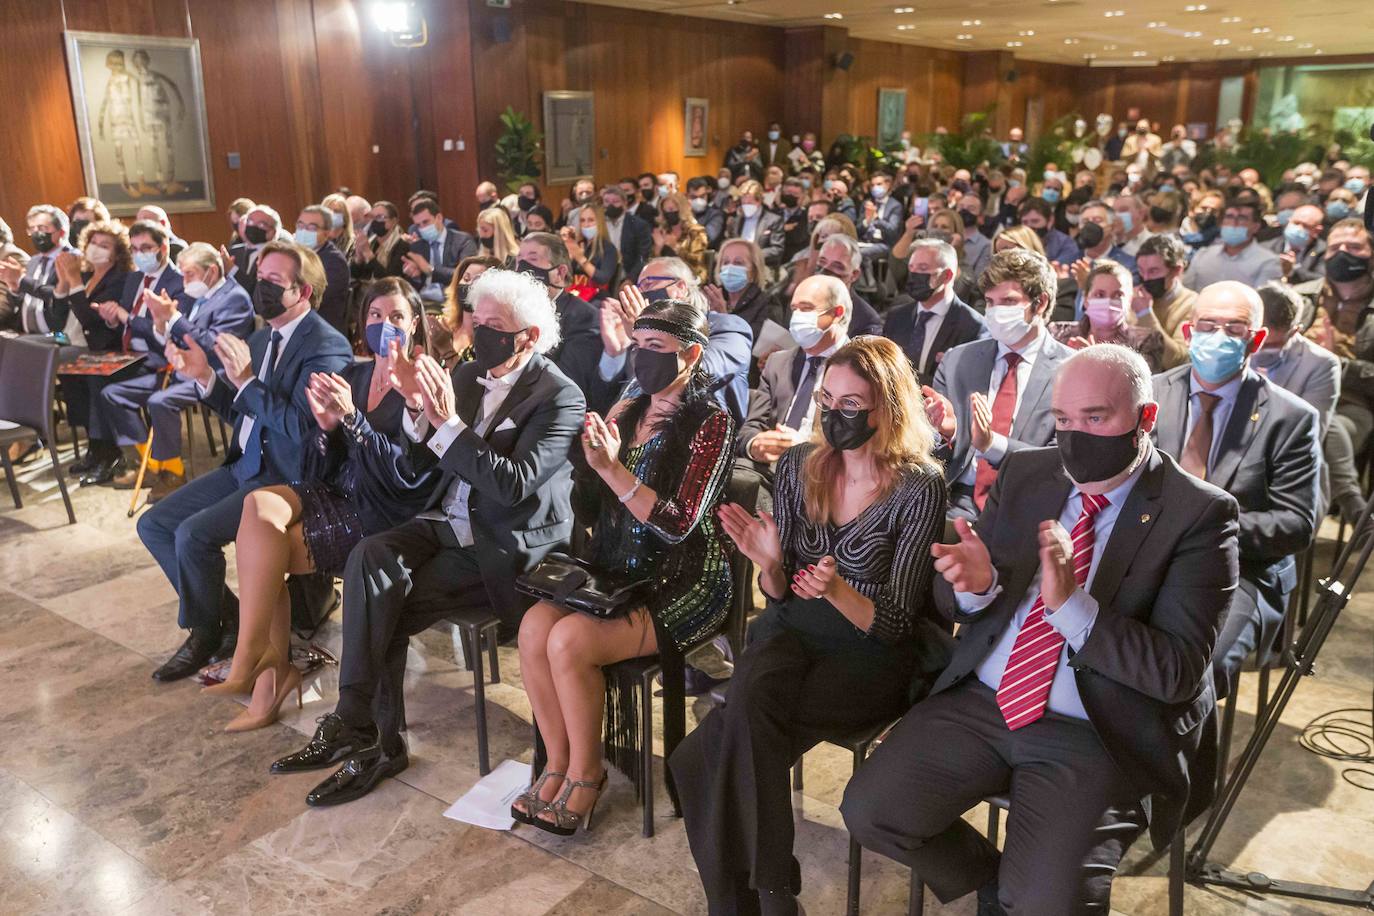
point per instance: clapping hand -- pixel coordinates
(191, 362)
(436, 390)
(161, 306)
(755, 536)
(111, 313)
(715, 298)
(1080, 270)
(11, 272)
(966, 566)
(572, 240)
(600, 443)
(227, 258)
(1141, 301)
(819, 580)
(236, 358)
(404, 377)
(915, 222)
(1287, 260)
(980, 423)
(330, 398)
(68, 268)
(1057, 580)
(615, 336)
(770, 444)
(939, 411)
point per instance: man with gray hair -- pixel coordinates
(1089, 593)
(840, 257)
(929, 318)
(31, 286)
(500, 427)
(1230, 426)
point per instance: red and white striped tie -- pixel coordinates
(1025, 687)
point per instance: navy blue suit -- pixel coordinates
(186, 532)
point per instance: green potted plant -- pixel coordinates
(518, 150)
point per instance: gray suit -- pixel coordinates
(1269, 459)
(968, 368)
(1311, 372)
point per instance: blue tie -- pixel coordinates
(918, 337)
(248, 466)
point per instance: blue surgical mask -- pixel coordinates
(336, 219)
(734, 277)
(146, 261)
(1234, 236)
(430, 233)
(1127, 221)
(379, 336)
(1355, 186)
(1296, 236)
(1167, 187)
(1216, 356)
(879, 192)
(308, 238)
(1338, 209)
(1051, 195)
(589, 232)
(774, 135)
(1284, 215)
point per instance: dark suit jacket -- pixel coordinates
(520, 502)
(1311, 372)
(865, 319)
(779, 157)
(171, 283)
(228, 310)
(770, 236)
(1308, 266)
(457, 245)
(39, 280)
(99, 335)
(636, 243)
(968, 368)
(1163, 583)
(579, 348)
(1269, 459)
(713, 221)
(960, 325)
(281, 413)
(886, 226)
(334, 305)
(770, 402)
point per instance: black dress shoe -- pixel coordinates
(358, 776)
(193, 655)
(227, 644)
(87, 463)
(333, 741)
(104, 473)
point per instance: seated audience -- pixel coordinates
(577, 349)
(436, 251)
(678, 235)
(880, 222)
(844, 563)
(235, 214)
(991, 397)
(709, 216)
(88, 282)
(500, 505)
(260, 225)
(313, 231)
(662, 459)
(1107, 614)
(31, 284)
(84, 211)
(1300, 245)
(1037, 215)
(380, 248)
(841, 257)
(357, 479)
(1097, 237)
(1236, 256)
(156, 214)
(1292, 361)
(11, 257)
(929, 318)
(1132, 222)
(496, 235)
(740, 273)
(754, 223)
(1161, 300)
(448, 336)
(631, 236)
(1231, 427)
(340, 230)
(1108, 294)
(527, 200)
(594, 258)
(261, 390)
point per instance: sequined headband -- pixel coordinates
(685, 333)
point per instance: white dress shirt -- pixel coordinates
(1221, 414)
(1075, 618)
(997, 448)
(249, 420)
(808, 422)
(40, 270)
(614, 227)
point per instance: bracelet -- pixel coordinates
(630, 493)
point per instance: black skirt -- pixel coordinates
(329, 524)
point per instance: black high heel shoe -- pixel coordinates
(565, 822)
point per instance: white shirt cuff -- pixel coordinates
(444, 435)
(414, 426)
(970, 603)
(996, 450)
(1075, 618)
(206, 389)
(609, 366)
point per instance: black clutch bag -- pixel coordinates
(573, 584)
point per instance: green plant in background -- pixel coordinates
(518, 150)
(1058, 144)
(971, 145)
(1271, 152)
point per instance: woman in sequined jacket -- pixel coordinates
(661, 461)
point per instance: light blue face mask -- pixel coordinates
(1051, 195)
(1216, 356)
(1234, 236)
(734, 277)
(1338, 209)
(146, 262)
(1127, 221)
(336, 219)
(589, 232)
(308, 238)
(1296, 236)
(1355, 186)
(430, 233)
(1284, 215)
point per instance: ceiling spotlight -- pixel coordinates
(1156, 24)
(963, 37)
(1168, 58)
(1192, 34)
(1230, 19)
(1195, 8)
(1109, 47)
(1304, 46)
(1284, 38)
(904, 9)
(1090, 57)
(1137, 53)
(905, 28)
(834, 16)
(1070, 41)
(1261, 30)
(1026, 33)
(1319, 51)
(1246, 48)
(1221, 41)
(972, 22)
(1014, 44)
(1111, 14)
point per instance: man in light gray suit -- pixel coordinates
(1292, 361)
(1230, 426)
(991, 397)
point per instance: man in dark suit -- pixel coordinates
(434, 256)
(261, 390)
(775, 149)
(1080, 683)
(841, 258)
(31, 290)
(991, 397)
(262, 224)
(1300, 246)
(929, 318)
(1291, 360)
(758, 224)
(212, 304)
(1228, 425)
(700, 191)
(630, 235)
(312, 231)
(501, 429)
(881, 224)
(578, 350)
(792, 208)
(1037, 215)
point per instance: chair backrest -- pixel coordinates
(27, 377)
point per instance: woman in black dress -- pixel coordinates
(357, 479)
(846, 569)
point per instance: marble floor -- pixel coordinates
(122, 796)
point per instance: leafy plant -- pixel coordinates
(1058, 144)
(518, 150)
(971, 145)
(1271, 152)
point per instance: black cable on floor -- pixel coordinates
(1337, 735)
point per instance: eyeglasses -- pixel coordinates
(848, 407)
(1237, 329)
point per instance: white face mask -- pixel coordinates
(1007, 323)
(98, 256)
(749, 210)
(197, 289)
(804, 329)
(698, 205)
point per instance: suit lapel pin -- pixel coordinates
(1144, 518)
(1254, 417)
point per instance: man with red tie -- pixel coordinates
(991, 397)
(1090, 592)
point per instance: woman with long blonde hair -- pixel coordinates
(341, 229)
(846, 569)
(496, 235)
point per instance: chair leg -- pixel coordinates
(493, 660)
(190, 446)
(994, 823)
(1177, 865)
(61, 480)
(479, 697)
(209, 433)
(646, 736)
(1263, 700)
(856, 854)
(1228, 725)
(797, 774)
(916, 900)
(9, 477)
(223, 435)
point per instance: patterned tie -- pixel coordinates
(137, 310)
(1003, 411)
(1025, 687)
(1198, 448)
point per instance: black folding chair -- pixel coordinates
(28, 380)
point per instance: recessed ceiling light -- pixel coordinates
(1230, 19)
(1266, 54)
(1319, 51)
(964, 37)
(972, 22)
(1284, 38)
(1014, 44)
(1221, 41)
(834, 15)
(1192, 34)
(1109, 47)
(1156, 24)
(904, 9)
(1305, 45)
(1027, 33)
(1070, 41)
(1090, 57)
(1168, 58)
(1138, 53)
(1246, 48)
(905, 28)
(1195, 8)
(1111, 14)
(1261, 30)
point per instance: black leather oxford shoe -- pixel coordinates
(358, 776)
(333, 741)
(193, 655)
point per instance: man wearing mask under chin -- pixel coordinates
(1230, 426)
(260, 389)
(992, 397)
(544, 257)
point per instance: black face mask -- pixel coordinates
(1161, 215)
(487, 241)
(655, 370)
(256, 235)
(789, 200)
(493, 347)
(267, 300)
(1041, 231)
(1156, 287)
(1344, 267)
(827, 272)
(42, 241)
(920, 286)
(1204, 221)
(970, 219)
(486, 204)
(539, 273)
(671, 218)
(464, 302)
(614, 213)
(77, 226)
(526, 204)
(655, 295)
(845, 433)
(1090, 235)
(1091, 459)
(647, 194)
(377, 227)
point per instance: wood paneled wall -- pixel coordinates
(931, 77)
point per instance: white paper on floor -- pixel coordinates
(487, 804)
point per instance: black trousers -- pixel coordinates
(732, 771)
(396, 584)
(1073, 814)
